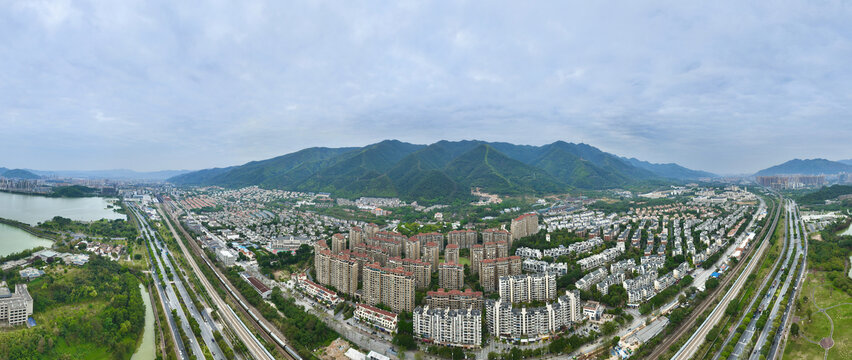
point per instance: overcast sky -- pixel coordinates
(728, 86)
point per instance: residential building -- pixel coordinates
(426, 238)
(451, 253)
(431, 254)
(539, 266)
(525, 288)
(492, 269)
(316, 291)
(494, 235)
(451, 276)
(454, 299)
(496, 249)
(462, 238)
(422, 270)
(381, 319)
(477, 254)
(392, 287)
(356, 236)
(505, 321)
(412, 248)
(15, 307)
(338, 243)
(523, 226)
(452, 327)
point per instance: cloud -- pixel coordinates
(163, 84)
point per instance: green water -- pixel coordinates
(146, 348)
(14, 240)
(33, 209)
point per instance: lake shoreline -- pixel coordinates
(34, 231)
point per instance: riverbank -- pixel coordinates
(34, 231)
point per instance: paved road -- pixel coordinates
(254, 346)
(205, 327)
(170, 298)
(748, 334)
(794, 248)
(687, 351)
(750, 328)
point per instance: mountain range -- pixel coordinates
(807, 167)
(17, 174)
(444, 170)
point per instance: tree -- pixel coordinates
(794, 329)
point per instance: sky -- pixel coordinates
(722, 86)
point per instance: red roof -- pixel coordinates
(377, 310)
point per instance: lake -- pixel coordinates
(146, 348)
(14, 240)
(33, 209)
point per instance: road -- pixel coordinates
(253, 345)
(687, 351)
(180, 349)
(206, 327)
(748, 334)
(750, 328)
(795, 242)
(777, 348)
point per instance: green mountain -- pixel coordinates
(807, 167)
(17, 174)
(670, 170)
(443, 171)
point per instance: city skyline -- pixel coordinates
(155, 85)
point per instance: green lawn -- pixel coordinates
(464, 261)
(818, 326)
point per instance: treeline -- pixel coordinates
(829, 256)
(106, 228)
(115, 325)
(304, 331)
(826, 193)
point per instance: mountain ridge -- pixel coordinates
(441, 171)
(806, 167)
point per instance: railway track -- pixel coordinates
(686, 326)
(266, 331)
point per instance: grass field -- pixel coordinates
(819, 290)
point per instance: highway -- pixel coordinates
(179, 348)
(206, 327)
(776, 349)
(795, 242)
(747, 334)
(254, 346)
(687, 351)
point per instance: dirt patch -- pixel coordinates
(336, 350)
(796, 319)
(826, 343)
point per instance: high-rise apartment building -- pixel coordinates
(492, 269)
(505, 321)
(529, 287)
(494, 235)
(454, 327)
(454, 299)
(451, 276)
(431, 254)
(392, 287)
(422, 270)
(524, 225)
(451, 253)
(338, 243)
(462, 238)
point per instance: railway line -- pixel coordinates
(686, 326)
(269, 334)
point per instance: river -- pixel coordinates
(14, 240)
(33, 209)
(146, 348)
